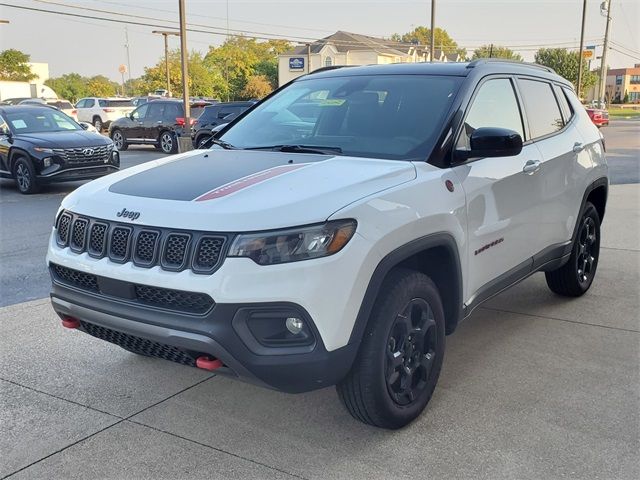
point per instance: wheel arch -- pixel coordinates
(596, 193)
(436, 256)
(15, 153)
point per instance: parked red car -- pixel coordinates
(598, 116)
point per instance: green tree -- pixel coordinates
(495, 51)
(258, 86)
(565, 64)
(101, 86)
(422, 36)
(71, 86)
(14, 66)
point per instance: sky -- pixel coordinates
(89, 46)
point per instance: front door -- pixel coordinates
(502, 214)
(154, 121)
(135, 127)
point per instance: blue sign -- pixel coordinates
(296, 63)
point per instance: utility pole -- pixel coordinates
(603, 66)
(491, 50)
(432, 46)
(126, 36)
(184, 54)
(166, 34)
(308, 58)
(581, 60)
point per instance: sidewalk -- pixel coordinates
(533, 386)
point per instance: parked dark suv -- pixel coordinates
(154, 123)
(215, 115)
(39, 144)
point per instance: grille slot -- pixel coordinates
(208, 253)
(75, 278)
(97, 237)
(119, 244)
(145, 249)
(85, 155)
(78, 235)
(64, 224)
(174, 253)
(139, 345)
(191, 302)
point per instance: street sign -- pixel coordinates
(122, 69)
(587, 54)
(296, 63)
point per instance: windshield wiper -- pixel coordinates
(223, 144)
(300, 149)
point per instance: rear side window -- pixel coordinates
(567, 111)
(543, 112)
(172, 111)
(117, 103)
(495, 105)
(210, 113)
(155, 111)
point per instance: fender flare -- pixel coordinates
(393, 259)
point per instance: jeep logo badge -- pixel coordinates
(88, 151)
(128, 214)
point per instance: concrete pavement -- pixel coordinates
(533, 386)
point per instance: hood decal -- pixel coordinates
(207, 173)
(247, 181)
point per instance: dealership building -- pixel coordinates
(344, 48)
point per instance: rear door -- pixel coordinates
(502, 215)
(561, 146)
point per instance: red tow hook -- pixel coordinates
(70, 322)
(208, 363)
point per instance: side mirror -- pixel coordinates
(215, 130)
(131, 116)
(492, 142)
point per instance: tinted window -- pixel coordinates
(61, 105)
(565, 106)
(81, 103)
(495, 105)
(102, 103)
(172, 111)
(542, 108)
(118, 103)
(140, 112)
(210, 113)
(379, 116)
(155, 111)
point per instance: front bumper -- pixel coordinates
(71, 174)
(183, 338)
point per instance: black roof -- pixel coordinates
(460, 69)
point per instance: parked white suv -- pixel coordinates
(100, 112)
(337, 231)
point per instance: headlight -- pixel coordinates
(43, 150)
(292, 245)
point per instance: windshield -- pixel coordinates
(40, 120)
(379, 116)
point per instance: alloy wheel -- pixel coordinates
(411, 351)
(118, 140)
(586, 249)
(97, 123)
(23, 177)
(166, 143)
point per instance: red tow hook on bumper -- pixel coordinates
(208, 363)
(70, 322)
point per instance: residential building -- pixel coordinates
(623, 82)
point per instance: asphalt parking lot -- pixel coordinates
(533, 385)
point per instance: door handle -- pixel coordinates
(578, 147)
(531, 167)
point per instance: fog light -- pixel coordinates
(46, 162)
(294, 325)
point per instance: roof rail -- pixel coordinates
(480, 61)
(332, 67)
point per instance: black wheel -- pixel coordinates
(400, 357)
(201, 139)
(575, 277)
(168, 142)
(119, 140)
(25, 176)
(97, 123)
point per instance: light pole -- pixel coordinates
(580, 60)
(432, 46)
(166, 34)
(184, 54)
(605, 9)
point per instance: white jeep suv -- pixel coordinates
(337, 231)
(100, 112)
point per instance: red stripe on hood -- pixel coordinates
(247, 181)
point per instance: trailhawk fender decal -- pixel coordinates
(248, 181)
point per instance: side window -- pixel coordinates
(155, 111)
(171, 112)
(81, 103)
(140, 112)
(102, 103)
(89, 102)
(495, 105)
(543, 112)
(567, 111)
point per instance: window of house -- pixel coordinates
(328, 62)
(543, 112)
(618, 79)
(635, 79)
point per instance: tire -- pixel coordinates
(201, 139)
(575, 277)
(118, 140)
(392, 379)
(167, 142)
(25, 176)
(97, 123)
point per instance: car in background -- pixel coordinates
(39, 144)
(598, 116)
(157, 123)
(100, 112)
(214, 115)
(15, 100)
(60, 104)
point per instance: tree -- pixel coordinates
(257, 86)
(565, 64)
(14, 66)
(101, 86)
(495, 51)
(422, 36)
(71, 86)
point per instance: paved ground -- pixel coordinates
(25, 222)
(533, 386)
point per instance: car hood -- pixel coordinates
(230, 191)
(67, 139)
